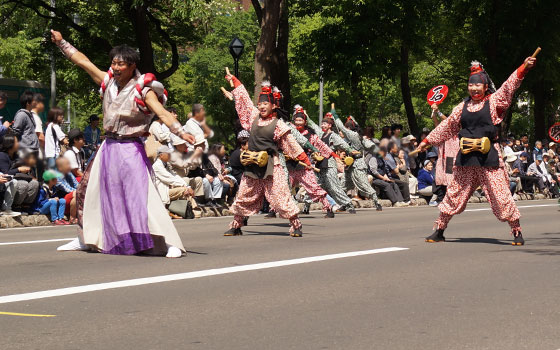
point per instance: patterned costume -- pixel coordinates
(272, 184)
(356, 174)
(304, 176)
(476, 119)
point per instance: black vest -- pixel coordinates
(262, 139)
(476, 125)
(381, 166)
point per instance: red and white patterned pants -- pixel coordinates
(308, 180)
(494, 182)
(275, 188)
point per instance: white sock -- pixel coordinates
(173, 252)
(74, 244)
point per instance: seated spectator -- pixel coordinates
(211, 183)
(235, 169)
(7, 192)
(75, 154)
(66, 188)
(552, 153)
(528, 180)
(54, 136)
(171, 187)
(161, 135)
(379, 171)
(92, 136)
(514, 181)
(4, 125)
(27, 187)
(395, 170)
(538, 150)
(216, 156)
(197, 126)
(48, 202)
(539, 168)
(408, 145)
(27, 180)
(426, 182)
(184, 164)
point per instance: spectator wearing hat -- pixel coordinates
(54, 136)
(75, 154)
(92, 136)
(48, 202)
(552, 152)
(183, 163)
(170, 185)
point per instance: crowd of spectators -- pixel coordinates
(40, 168)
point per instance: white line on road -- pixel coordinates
(186, 275)
(38, 241)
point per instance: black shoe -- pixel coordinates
(352, 211)
(378, 207)
(233, 232)
(306, 208)
(297, 233)
(215, 205)
(436, 237)
(518, 239)
(271, 215)
(329, 215)
(246, 221)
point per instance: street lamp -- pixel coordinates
(236, 50)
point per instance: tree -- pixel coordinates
(271, 55)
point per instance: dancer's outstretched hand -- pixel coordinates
(530, 62)
(56, 37)
(188, 137)
(422, 147)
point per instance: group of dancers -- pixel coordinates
(120, 212)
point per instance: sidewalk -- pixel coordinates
(43, 220)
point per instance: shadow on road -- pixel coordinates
(477, 240)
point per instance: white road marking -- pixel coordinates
(38, 241)
(524, 206)
(187, 275)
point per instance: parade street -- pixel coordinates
(364, 281)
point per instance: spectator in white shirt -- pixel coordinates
(75, 154)
(197, 127)
(170, 185)
(162, 136)
(54, 136)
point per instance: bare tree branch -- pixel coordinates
(258, 10)
(171, 42)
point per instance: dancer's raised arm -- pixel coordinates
(77, 57)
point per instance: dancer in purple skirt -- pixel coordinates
(119, 209)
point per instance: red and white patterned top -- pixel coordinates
(247, 113)
(325, 150)
(499, 103)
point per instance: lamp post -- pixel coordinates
(236, 48)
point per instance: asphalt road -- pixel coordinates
(475, 291)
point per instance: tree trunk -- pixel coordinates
(405, 90)
(281, 74)
(265, 53)
(137, 15)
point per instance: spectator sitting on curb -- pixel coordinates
(47, 202)
(66, 188)
(426, 182)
